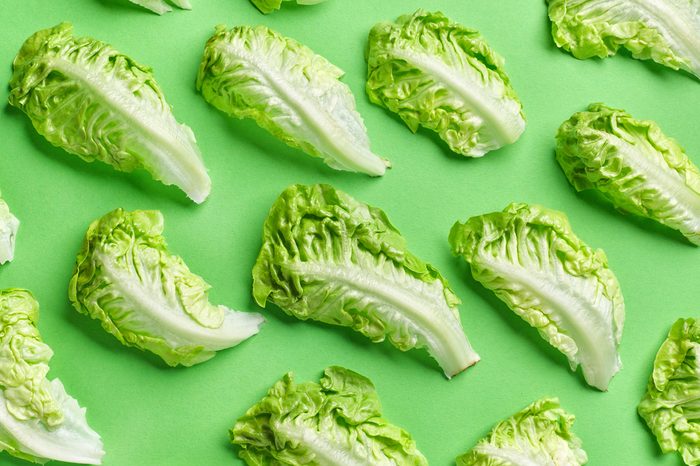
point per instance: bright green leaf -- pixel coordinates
(291, 92)
(329, 258)
(539, 435)
(334, 422)
(532, 260)
(445, 77)
(634, 164)
(92, 101)
(126, 278)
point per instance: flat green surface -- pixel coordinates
(149, 414)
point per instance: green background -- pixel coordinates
(149, 414)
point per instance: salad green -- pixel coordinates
(146, 297)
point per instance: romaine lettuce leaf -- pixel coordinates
(540, 434)
(92, 101)
(8, 232)
(334, 422)
(445, 77)
(532, 260)
(126, 278)
(38, 420)
(634, 164)
(268, 6)
(671, 405)
(161, 6)
(666, 31)
(329, 258)
(291, 92)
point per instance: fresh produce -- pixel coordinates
(540, 434)
(666, 31)
(532, 260)
(330, 258)
(445, 77)
(634, 164)
(146, 297)
(8, 232)
(337, 421)
(671, 404)
(39, 421)
(85, 97)
(255, 72)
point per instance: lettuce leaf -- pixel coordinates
(85, 97)
(268, 6)
(666, 31)
(540, 434)
(329, 258)
(334, 422)
(161, 6)
(634, 164)
(444, 76)
(8, 232)
(126, 278)
(671, 405)
(532, 260)
(38, 420)
(291, 92)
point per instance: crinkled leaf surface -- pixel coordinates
(634, 164)
(444, 76)
(38, 420)
(329, 258)
(540, 434)
(85, 97)
(255, 72)
(126, 278)
(161, 6)
(334, 422)
(532, 260)
(671, 405)
(268, 6)
(8, 232)
(666, 31)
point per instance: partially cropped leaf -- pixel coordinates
(8, 232)
(532, 260)
(329, 258)
(268, 6)
(445, 77)
(290, 91)
(671, 405)
(666, 31)
(161, 6)
(126, 278)
(334, 422)
(38, 420)
(634, 164)
(540, 434)
(92, 101)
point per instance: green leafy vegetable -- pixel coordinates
(38, 420)
(161, 6)
(538, 435)
(666, 31)
(671, 405)
(329, 258)
(291, 92)
(634, 164)
(335, 422)
(8, 232)
(445, 77)
(532, 260)
(268, 6)
(92, 101)
(148, 298)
